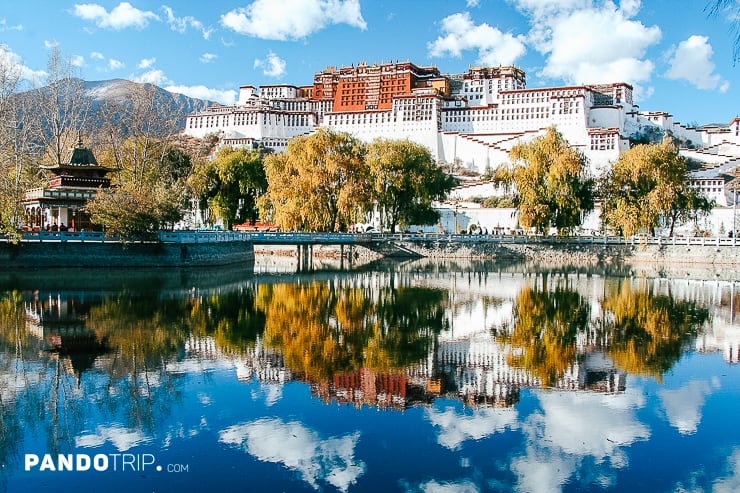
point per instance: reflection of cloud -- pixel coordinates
(591, 424)
(731, 482)
(436, 487)
(543, 473)
(455, 428)
(271, 393)
(683, 406)
(573, 426)
(300, 449)
(121, 438)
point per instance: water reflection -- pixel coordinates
(300, 449)
(561, 361)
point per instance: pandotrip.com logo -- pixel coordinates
(99, 462)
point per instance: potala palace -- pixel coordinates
(470, 120)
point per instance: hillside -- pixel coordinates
(117, 91)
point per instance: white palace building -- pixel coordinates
(470, 120)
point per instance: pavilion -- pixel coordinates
(60, 203)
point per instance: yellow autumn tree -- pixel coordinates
(320, 183)
(553, 188)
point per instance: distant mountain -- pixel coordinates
(116, 90)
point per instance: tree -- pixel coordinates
(231, 183)
(132, 212)
(716, 7)
(10, 157)
(553, 188)
(406, 181)
(151, 169)
(648, 183)
(320, 183)
(63, 108)
(136, 133)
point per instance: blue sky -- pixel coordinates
(677, 57)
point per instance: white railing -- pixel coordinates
(295, 238)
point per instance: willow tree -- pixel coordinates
(649, 184)
(230, 184)
(406, 181)
(553, 188)
(320, 183)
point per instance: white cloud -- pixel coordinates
(300, 449)
(203, 92)
(455, 428)
(472, 3)
(123, 16)
(5, 27)
(13, 60)
(114, 64)
(97, 55)
(692, 61)
(77, 60)
(50, 44)
(181, 24)
(571, 35)
(146, 62)
(207, 57)
(292, 19)
(155, 77)
(493, 46)
(272, 65)
(683, 406)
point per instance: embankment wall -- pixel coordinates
(113, 254)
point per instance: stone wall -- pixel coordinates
(578, 253)
(77, 254)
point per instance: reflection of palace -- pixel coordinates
(61, 322)
(476, 365)
(367, 387)
(255, 362)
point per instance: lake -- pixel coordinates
(419, 376)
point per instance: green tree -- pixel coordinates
(320, 183)
(406, 181)
(230, 184)
(648, 183)
(553, 188)
(133, 212)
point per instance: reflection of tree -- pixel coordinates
(49, 341)
(231, 318)
(546, 324)
(648, 332)
(13, 338)
(325, 329)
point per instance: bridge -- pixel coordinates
(180, 244)
(371, 239)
